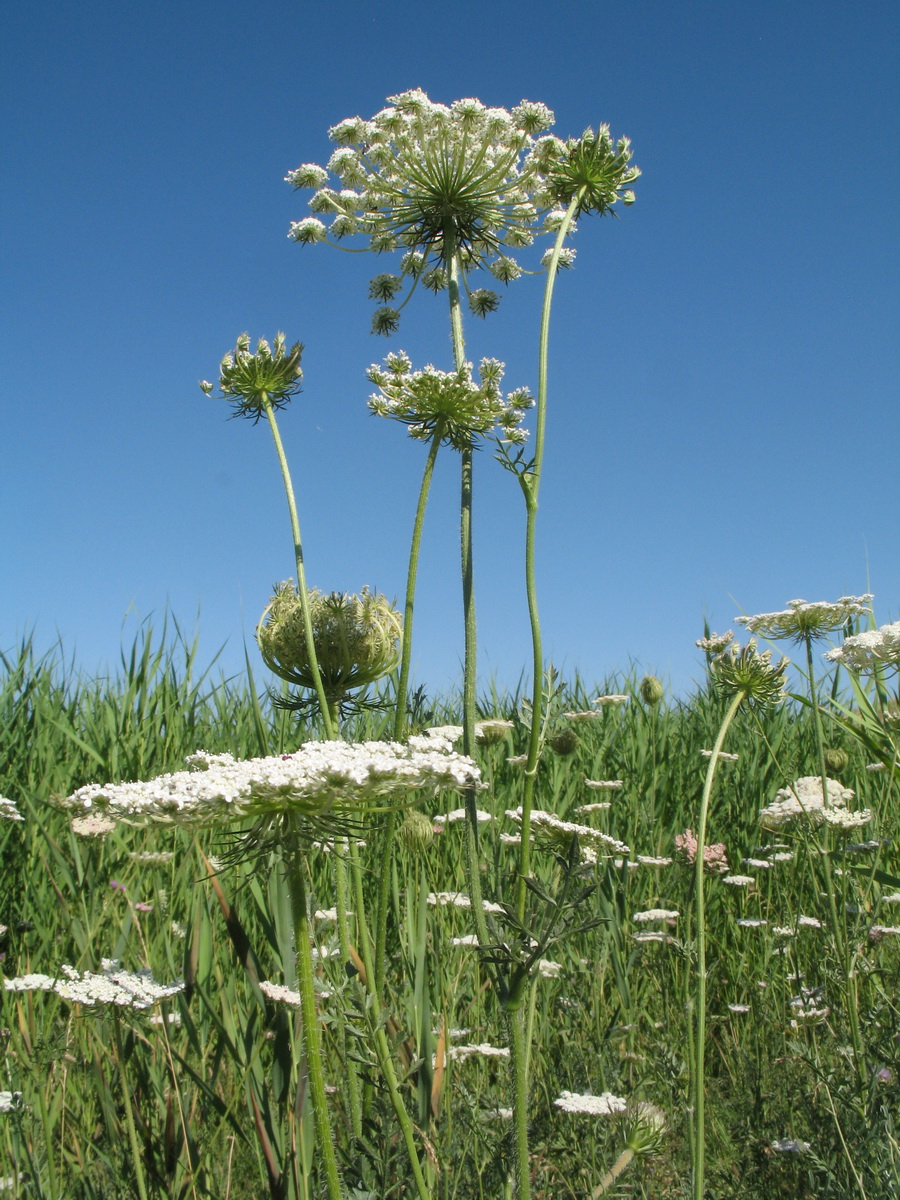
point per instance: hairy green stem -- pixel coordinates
(700, 910)
(530, 483)
(518, 1045)
(311, 1036)
(327, 718)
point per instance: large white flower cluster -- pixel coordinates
(804, 799)
(451, 401)
(112, 985)
(318, 778)
(870, 649)
(395, 170)
(802, 619)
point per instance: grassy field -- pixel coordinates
(206, 1093)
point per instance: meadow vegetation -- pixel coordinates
(332, 936)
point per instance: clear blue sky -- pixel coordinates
(724, 363)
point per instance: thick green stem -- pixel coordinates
(311, 1037)
(518, 1045)
(530, 485)
(301, 574)
(700, 910)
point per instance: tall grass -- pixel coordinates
(219, 1104)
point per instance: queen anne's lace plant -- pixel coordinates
(451, 401)
(319, 779)
(604, 1105)
(873, 648)
(112, 985)
(271, 373)
(552, 832)
(9, 810)
(435, 182)
(804, 800)
(802, 620)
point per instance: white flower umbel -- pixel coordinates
(112, 985)
(802, 620)
(655, 914)
(318, 779)
(551, 828)
(805, 799)
(9, 810)
(450, 400)
(604, 1105)
(433, 181)
(873, 648)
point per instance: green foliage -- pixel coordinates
(220, 1105)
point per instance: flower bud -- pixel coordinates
(564, 743)
(651, 690)
(416, 832)
(836, 761)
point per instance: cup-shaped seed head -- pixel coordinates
(356, 638)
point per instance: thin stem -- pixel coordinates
(387, 837)
(840, 931)
(700, 909)
(129, 1115)
(353, 1092)
(301, 573)
(530, 482)
(376, 1025)
(311, 1037)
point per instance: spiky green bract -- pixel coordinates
(248, 380)
(356, 638)
(742, 670)
(591, 167)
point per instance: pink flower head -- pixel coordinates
(714, 856)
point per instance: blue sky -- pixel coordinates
(722, 431)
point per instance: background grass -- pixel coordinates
(220, 1109)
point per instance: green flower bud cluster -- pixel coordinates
(743, 669)
(591, 165)
(417, 831)
(272, 374)
(356, 638)
(652, 691)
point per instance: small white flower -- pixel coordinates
(789, 1146)
(604, 785)
(461, 1053)
(613, 698)
(739, 880)
(650, 860)
(751, 922)
(655, 914)
(758, 864)
(9, 810)
(281, 994)
(603, 1105)
(468, 939)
